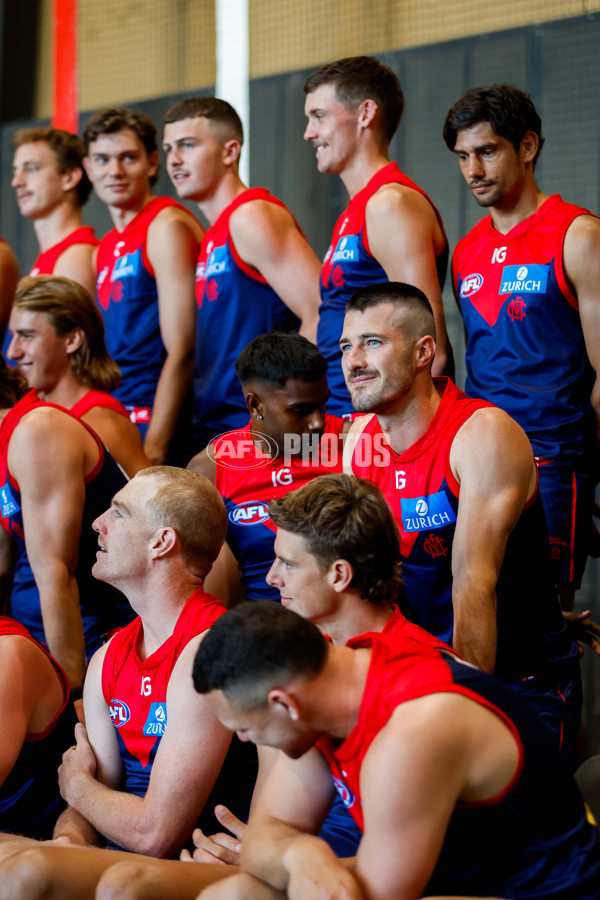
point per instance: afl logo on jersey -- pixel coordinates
(471, 284)
(346, 795)
(119, 713)
(249, 513)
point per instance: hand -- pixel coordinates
(315, 873)
(583, 628)
(77, 760)
(219, 848)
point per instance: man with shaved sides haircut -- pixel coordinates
(462, 483)
(256, 272)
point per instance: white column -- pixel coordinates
(232, 67)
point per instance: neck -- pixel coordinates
(527, 203)
(122, 217)
(159, 600)
(355, 616)
(361, 168)
(225, 192)
(411, 414)
(57, 225)
(66, 392)
(333, 698)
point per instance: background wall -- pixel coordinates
(152, 52)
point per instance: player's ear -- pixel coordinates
(283, 702)
(367, 112)
(424, 351)
(163, 542)
(75, 340)
(529, 146)
(231, 152)
(254, 404)
(340, 575)
(71, 178)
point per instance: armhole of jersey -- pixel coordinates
(559, 268)
(352, 436)
(247, 269)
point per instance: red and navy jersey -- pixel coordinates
(398, 624)
(531, 840)
(349, 265)
(135, 690)
(248, 480)
(30, 801)
(423, 495)
(97, 398)
(103, 608)
(525, 346)
(235, 305)
(128, 299)
(45, 262)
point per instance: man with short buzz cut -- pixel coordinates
(51, 187)
(442, 767)
(256, 271)
(390, 229)
(462, 484)
(143, 767)
(145, 280)
(58, 345)
(526, 279)
(289, 440)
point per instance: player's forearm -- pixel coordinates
(171, 390)
(308, 325)
(75, 828)
(124, 819)
(272, 850)
(475, 627)
(63, 625)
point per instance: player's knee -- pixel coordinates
(123, 881)
(26, 875)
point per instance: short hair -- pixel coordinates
(13, 385)
(344, 517)
(255, 645)
(359, 78)
(190, 504)
(273, 358)
(410, 301)
(68, 148)
(220, 113)
(508, 109)
(68, 306)
(118, 118)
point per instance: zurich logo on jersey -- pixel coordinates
(346, 795)
(251, 512)
(126, 266)
(347, 248)
(424, 513)
(119, 713)
(471, 284)
(218, 262)
(8, 504)
(528, 279)
(156, 721)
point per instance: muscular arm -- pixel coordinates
(266, 238)
(173, 243)
(403, 233)
(162, 821)
(9, 275)
(120, 436)
(76, 263)
(292, 805)
(493, 463)
(46, 458)
(581, 255)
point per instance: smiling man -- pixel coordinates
(390, 229)
(527, 282)
(51, 187)
(461, 481)
(145, 278)
(256, 271)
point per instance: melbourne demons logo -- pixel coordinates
(119, 713)
(337, 277)
(346, 795)
(516, 309)
(249, 513)
(471, 284)
(435, 546)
